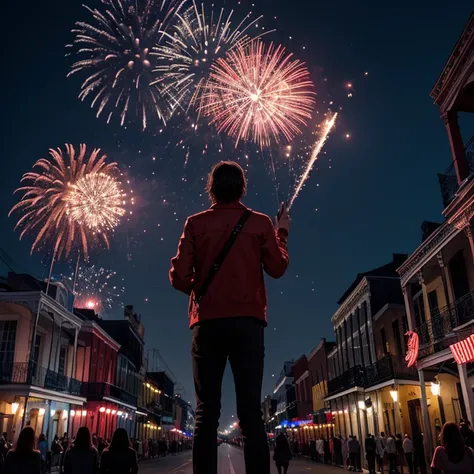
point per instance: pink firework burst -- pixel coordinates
(259, 93)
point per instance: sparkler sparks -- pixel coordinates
(44, 204)
(114, 50)
(96, 289)
(192, 45)
(318, 146)
(95, 200)
(258, 93)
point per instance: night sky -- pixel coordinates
(366, 199)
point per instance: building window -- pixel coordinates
(7, 342)
(386, 347)
(433, 301)
(397, 337)
(62, 360)
(419, 308)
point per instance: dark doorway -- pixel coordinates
(458, 271)
(414, 411)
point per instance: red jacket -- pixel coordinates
(238, 289)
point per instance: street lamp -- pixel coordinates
(436, 389)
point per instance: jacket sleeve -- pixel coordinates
(274, 251)
(182, 266)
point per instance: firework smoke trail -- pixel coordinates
(318, 146)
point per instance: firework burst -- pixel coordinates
(114, 51)
(96, 201)
(259, 93)
(191, 46)
(96, 288)
(46, 203)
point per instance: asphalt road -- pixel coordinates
(231, 461)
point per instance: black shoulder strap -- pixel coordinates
(222, 256)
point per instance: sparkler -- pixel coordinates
(114, 50)
(318, 146)
(192, 45)
(45, 203)
(258, 93)
(95, 200)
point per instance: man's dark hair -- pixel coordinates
(226, 182)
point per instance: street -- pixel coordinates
(231, 461)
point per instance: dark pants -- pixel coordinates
(283, 469)
(355, 461)
(409, 458)
(241, 341)
(371, 462)
(392, 460)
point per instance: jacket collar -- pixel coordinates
(228, 205)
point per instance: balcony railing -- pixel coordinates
(433, 333)
(99, 390)
(388, 368)
(354, 377)
(448, 181)
(32, 374)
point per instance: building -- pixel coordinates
(129, 378)
(38, 357)
(369, 386)
(318, 367)
(285, 395)
(303, 389)
(149, 410)
(167, 399)
(108, 406)
(269, 408)
(438, 277)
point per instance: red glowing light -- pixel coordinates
(463, 351)
(413, 348)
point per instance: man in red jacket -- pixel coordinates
(228, 312)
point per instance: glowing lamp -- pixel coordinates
(41, 411)
(435, 389)
(119, 413)
(64, 414)
(102, 409)
(73, 412)
(361, 405)
(147, 385)
(15, 407)
(53, 412)
(108, 411)
(113, 412)
(394, 395)
(84, 412)
(78, 413)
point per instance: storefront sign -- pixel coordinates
(413, 348)
(463, 351)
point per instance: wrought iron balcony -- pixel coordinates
(33, 374)
(388, 368)
(433, 333)
(448, 181)
(354, 377)
(99, 390)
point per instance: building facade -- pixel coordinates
(438, 278)
(38, 358)
(369, 386)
